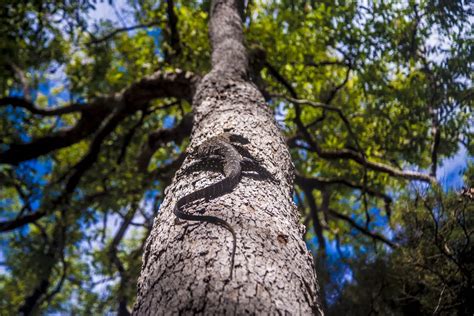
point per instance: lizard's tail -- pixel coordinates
(213, 220)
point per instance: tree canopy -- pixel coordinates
(373, 99)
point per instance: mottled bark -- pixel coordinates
(186, 265)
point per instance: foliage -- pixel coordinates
(430, 274)
(387, 83)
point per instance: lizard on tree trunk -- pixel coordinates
(184, 271)
(219, 152)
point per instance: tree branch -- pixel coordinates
(321, 184)
(326, 63)
(345, 153)
(10, 225)
(124, 275)
(278, 77)
(334, 91)
(362, 229)
(6, 226)
(160, 137)
(318, 229)
(128, 137)
(376, 166)
(177, 84)
(174, 40)
(107, 37)
(88, 160)
(328, 107)
(436, 133)
(24, 103)
(86, 125)
(53, 253)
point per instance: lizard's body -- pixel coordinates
(218, 150)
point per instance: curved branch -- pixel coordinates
(333, 92)
(107, 37)
(334, 154)
(178, 84)
(278, 77)
(160, 137)
(25, 104)
(321, 184)
(7, 226)
(362, 229)
(328, 107)
(10, 225)
(376, 166)
(345, 153)
(86, 125)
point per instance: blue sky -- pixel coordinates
(449, 174)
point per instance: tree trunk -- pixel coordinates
(186, 264)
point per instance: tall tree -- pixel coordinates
(96, 117)
(274, 272)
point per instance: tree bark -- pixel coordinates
(186, 265)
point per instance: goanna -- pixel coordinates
(218, 152)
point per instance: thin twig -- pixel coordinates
(107, 37)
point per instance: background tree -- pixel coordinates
(95, 119)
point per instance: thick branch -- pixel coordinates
(177, 84)
(173, 39)
(7, 226)
(24, 103)
(86, 125)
